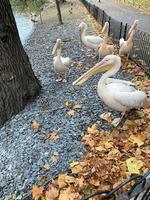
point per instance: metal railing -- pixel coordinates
(141, 51)
(139, 191)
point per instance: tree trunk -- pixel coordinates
(17, 80)
(59, 12)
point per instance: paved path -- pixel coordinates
(124, 13)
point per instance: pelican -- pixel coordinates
(61, 64)
(104, 48)
(117, 94)
(126, 46)
(90, 41)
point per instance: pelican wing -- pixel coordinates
(119, 87)
(94, 39)
(112, 80)
(65, 61)
(130, 99)
(121, 42)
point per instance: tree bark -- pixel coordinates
(18, 83)
(59, 12)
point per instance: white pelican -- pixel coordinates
(117, 94)
(90, 41)
(61, 64)
(126, 46)
(104, 48)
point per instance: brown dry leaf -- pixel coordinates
(108, 145)
(79, 182)
(52, 136)
(100, 148)
(61, 180)
(69, 194)
(88, 140)
(35, 125)
(94, 181)
(92, 129)
(37, 192)
(69, 179)
(137, 139)
(46, 166)
(71, 113)
(52, 193)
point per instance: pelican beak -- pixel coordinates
(98, 68)
(56, 47)
(105, 28)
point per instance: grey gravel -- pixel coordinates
(23, 151)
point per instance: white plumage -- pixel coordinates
(117, 94)
(90, 41)
(60, 63)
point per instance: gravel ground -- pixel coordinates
(23, 151)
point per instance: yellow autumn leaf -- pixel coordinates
(46, 166)
(106, 116)
(74, 163)
(61, 180)
(54, 158)
(134, 165)
(137, 140)
(71, 113)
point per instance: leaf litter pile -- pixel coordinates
(110, 157)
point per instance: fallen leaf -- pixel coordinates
(76, 169)
(134, 165)
(46, 166)
(74, 163)
(78, 106)
(108, 145)
(35, 125)
(116, 121)
(69, 194)
(37, 192)
(71, 113)
(54, 158)
(61, 180)
(139, 140)
(106, 116)
(69, 179)
(100, 148)
(52, 136)
(52, 193)
(92, 129)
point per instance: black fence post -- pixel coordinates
(120, 34)
(125, 31)
(103, 18)
(109, 20)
